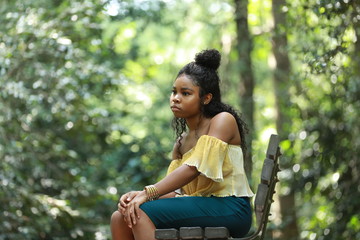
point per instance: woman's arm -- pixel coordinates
(168, 195)
(166, 187)
(176, 179)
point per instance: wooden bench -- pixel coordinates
(263, 201)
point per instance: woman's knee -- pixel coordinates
(144, 220)
(116, 217)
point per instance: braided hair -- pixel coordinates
(203, 72)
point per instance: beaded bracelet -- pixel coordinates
(151, 192)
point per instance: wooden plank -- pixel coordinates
(261, 194)
(273, 146)
(191, 233)
(267, 171)
(260, 201)
(167, 234)
(217, 233)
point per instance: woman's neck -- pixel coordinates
(198, 126)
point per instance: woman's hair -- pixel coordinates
(203, 72)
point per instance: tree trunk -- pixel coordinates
(283, 122)
(247, 82)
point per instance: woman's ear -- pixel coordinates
(207, 98)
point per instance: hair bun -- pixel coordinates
(209, 58)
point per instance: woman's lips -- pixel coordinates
(175, 108)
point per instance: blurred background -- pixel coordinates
(84, 113)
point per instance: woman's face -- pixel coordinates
(184, 99)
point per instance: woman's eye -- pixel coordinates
(186, 93)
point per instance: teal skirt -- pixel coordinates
(231, 212)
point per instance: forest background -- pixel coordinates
(85, 117)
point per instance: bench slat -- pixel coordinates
(167, 234)
(272, 149)
(216, 233)
(267, 171)
(191, 233)
(260, 201)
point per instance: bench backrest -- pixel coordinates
(263, 201)
(266, 187)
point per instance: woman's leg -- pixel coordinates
(119, 228)
(144, 229)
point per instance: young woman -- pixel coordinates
(206, 184)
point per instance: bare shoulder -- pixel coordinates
(224, 127)
(223, 118)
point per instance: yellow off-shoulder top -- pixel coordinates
(221, 167)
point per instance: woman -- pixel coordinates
(206, 184)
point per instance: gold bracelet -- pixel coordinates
(154, 193)
(151, 192)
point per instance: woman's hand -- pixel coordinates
(125, 199)
(129, 205)
(132, 211)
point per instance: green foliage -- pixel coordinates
(326, 92)
(67, 117)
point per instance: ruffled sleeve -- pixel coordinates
(208, 157)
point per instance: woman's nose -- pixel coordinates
(175, 98)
